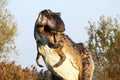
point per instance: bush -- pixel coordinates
(10, 71)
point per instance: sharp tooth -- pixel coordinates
(52, 31)
(41, 29)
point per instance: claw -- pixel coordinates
(58, 64)
(40, 65)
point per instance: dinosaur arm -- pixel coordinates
(62, 57)
(38, 60)
(38, 55)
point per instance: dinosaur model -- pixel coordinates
(63, 57)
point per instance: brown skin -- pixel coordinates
(57, 46)
(49, 20)
(87, 62)
(57, 40)
(81, 55)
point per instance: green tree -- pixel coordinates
(104, 43)
(8, 31)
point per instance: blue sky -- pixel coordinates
(75, 14)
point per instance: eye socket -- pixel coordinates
(52, 22)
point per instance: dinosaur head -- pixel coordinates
(49, 23)
(51, 19)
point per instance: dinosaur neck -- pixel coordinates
(67, 41)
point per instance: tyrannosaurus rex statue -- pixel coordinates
(63, 57)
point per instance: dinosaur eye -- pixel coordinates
(52, 22)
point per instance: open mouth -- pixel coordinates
(48, 33)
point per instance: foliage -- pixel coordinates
(9, 71)
(7, 31)
(104, 42)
